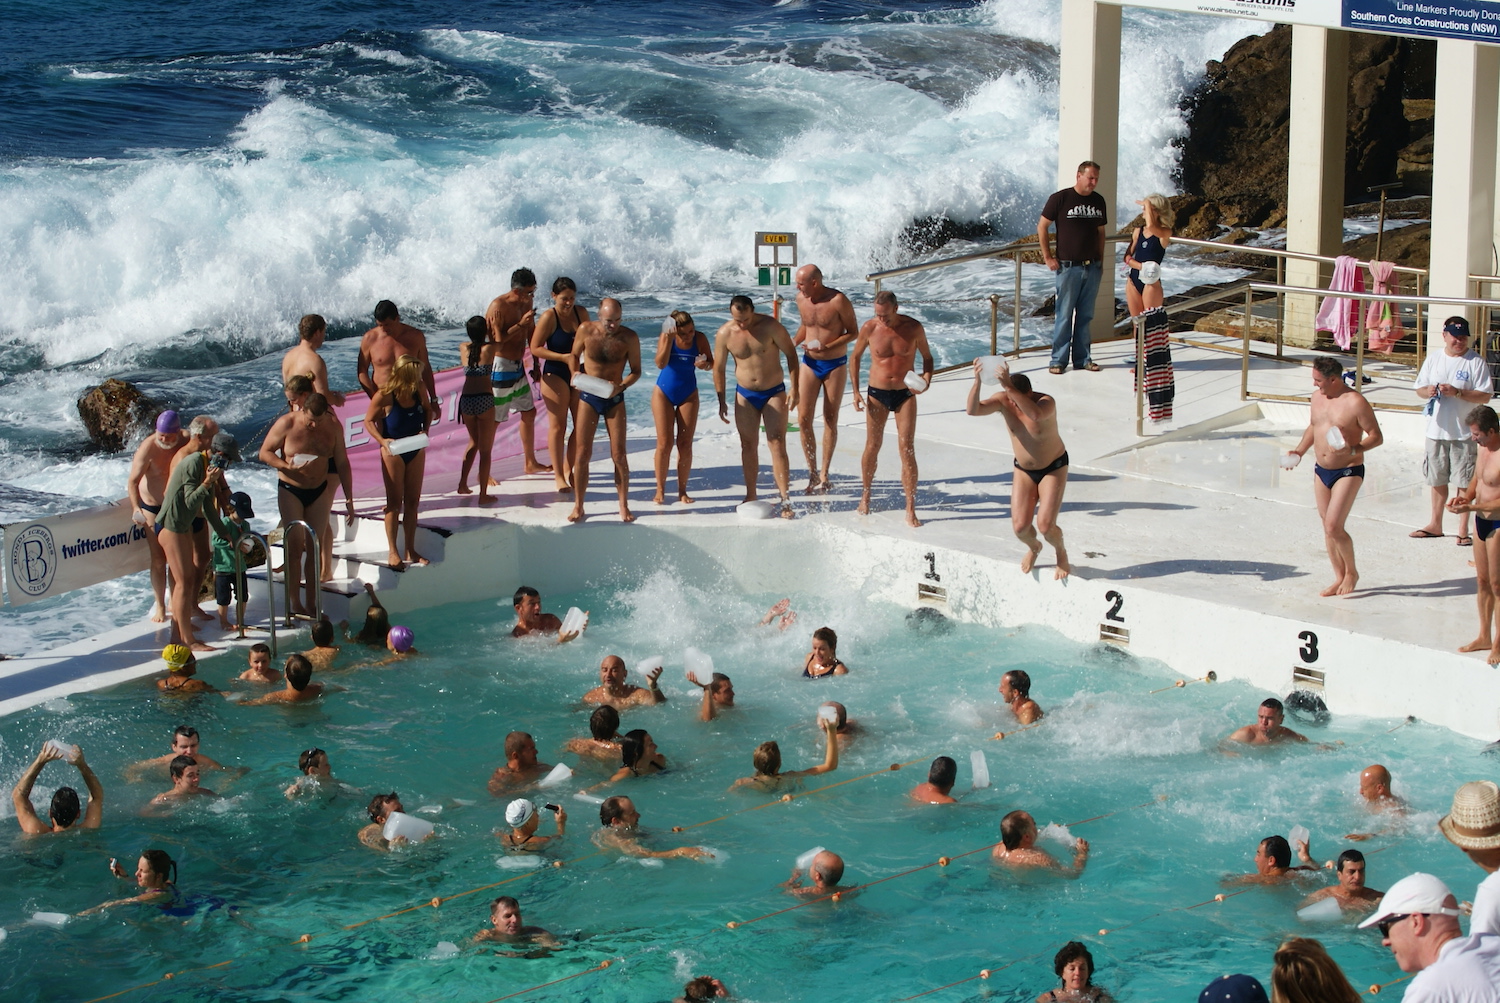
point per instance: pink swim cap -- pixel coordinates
(400, 639)
(168, 421)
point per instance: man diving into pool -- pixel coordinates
(761, 392)
(827, 326)
(614, 691)
(604, 348)
(894, 341)
(1267, 728)
(1041, 462)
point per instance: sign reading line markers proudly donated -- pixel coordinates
(1473, 20)
(48, 557)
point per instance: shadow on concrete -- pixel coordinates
(1426, 590)
(1265, 571)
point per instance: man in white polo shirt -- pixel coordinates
(1451, 382)
(1418, 921)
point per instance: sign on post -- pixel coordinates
(775, 257)
(1470, 20)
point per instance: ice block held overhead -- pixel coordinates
(559, 773)
(981, 769)
(699, 663)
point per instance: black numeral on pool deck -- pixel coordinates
(1308, 651)
(1113, 613)
(931, 558)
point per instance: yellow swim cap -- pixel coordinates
(176, 656)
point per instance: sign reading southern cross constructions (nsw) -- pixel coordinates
(1473, 20)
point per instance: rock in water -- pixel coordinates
(113, 410)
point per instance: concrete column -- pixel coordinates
(1315, 165)
(1088, 119)
(1463, 173)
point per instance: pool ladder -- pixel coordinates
(317, 560)
(239, 607)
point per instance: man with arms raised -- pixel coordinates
(894, 340)
(1350, 891)
(510, 319)
(1342, 429)
(1267, 728)
(614, 691)
(303, 358)
(1041, 462)
(761, 393)
(622, 832)
(826, 328)
(604, 348)
(1482, 497)
(300, 448)
(1018, 847)
(146, 485)
(386, 342)
(64, 810)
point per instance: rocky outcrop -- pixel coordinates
(116, 411)
(1234, 156)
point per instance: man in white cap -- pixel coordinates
(1473, 826)
(1418, 921)
(523, 820)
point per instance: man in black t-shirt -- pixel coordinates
(1079, 263)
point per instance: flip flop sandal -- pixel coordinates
(1466, 541)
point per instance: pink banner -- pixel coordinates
(448, 442)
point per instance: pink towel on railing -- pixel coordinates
(1339, 316)
(1383, 319)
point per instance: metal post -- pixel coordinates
(1360, 336)
(1380, 229)
(1421, 331)
(1139, 323)
(994, 324)
(1280, 304)
(270, 589)
(1016, 324)
(286, 591)
(1245, 352)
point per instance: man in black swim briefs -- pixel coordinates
(893, 340)
(762, 394)
(1041, 463)
(1341, 429)
(1482, 497)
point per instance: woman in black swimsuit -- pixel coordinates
(1148, 243)
(823, 659)
(552, 342)
(476, 405)
(398, 411)
(1074, 965)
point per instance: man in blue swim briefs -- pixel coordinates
(604, 348)
(826, 328)
(1482, 497)
(762, 395)
(1341, 429)
(893, 340)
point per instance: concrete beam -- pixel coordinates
(1088, 118)
(1315, 165)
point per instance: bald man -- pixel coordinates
(604, 348)
(1375, 790)
(615, 692)
(827, 327)
(825, 873)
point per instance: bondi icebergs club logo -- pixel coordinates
(33, 560)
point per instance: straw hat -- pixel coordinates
(1474, 822)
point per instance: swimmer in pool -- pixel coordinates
(155, 875)
(621, 832)
(1273, 859)
(1017, 847)
(182, 666)
(894, 341)
(827, 326)
(762, 396)
(299, 684)
(613, 689)
(767, 762)
(1074, 966)
(844, 726)
(521, 767)
(702, 989)
(1375, 791)
(1015, 690)
(1350, 891)
(782, 609)
(604, 736)
(1341, 411)
(823, 659)
(825, 873)
(941, 777)
(1267, 728)
(531, 620)
(506, 926)
(718, 693)
(638, 757)
(377, 623)
(260, 670)
(324, 651)
(399, 643)
(380, 809)
(316, 772)
(185, 742)
(521, 815)
(1040, 474)
(604, 349)
(64, 811)
(185, 776)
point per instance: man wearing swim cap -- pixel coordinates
(521, 767)
(63, 812)
(522, 817)
(145, 486)
(613, 689)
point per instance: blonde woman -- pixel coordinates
(680, 353)
(399, 410)
(1148, 243)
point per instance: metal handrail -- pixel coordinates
(1285, 254)
(239, 561)
(317, 557)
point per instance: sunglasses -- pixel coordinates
(1384, 926)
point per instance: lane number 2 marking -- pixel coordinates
(1113, 613)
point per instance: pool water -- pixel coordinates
(432, 729)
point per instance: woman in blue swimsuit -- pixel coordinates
(1147, 243)
(552, 342)
(681, 352)
(398, 411)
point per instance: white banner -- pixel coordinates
(1324, 13)
(64, 552)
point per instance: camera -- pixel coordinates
(218, 461)
(552, 807)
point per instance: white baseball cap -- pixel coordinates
(1415, 893)
(519, 812)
